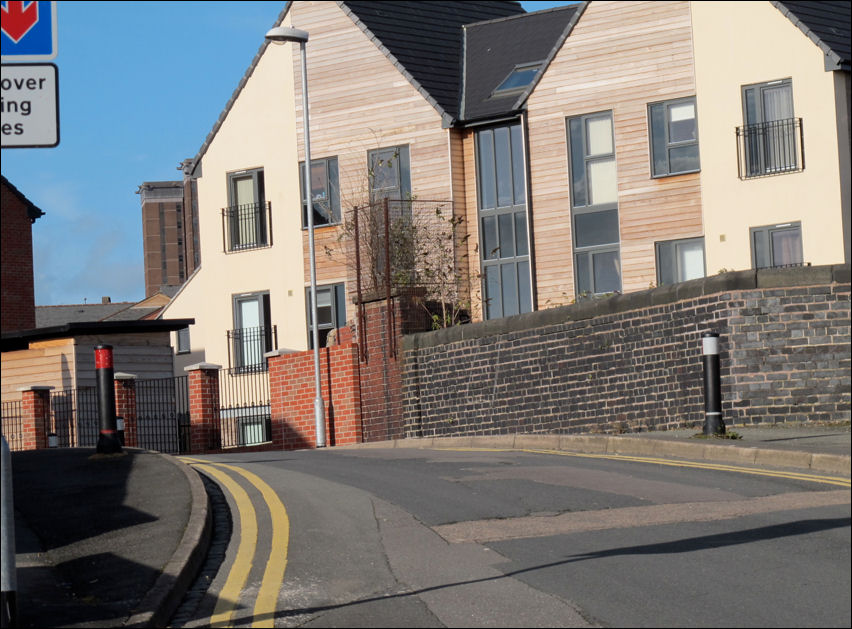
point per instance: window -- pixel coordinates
(594, 200)
(674, 137)
(253, 334)
(245, 220)
(680, 260)
(504, 246)
(389, 174)
(183, 346)
(325, 193)
(776, 245)
(771, 139)
(518, 79)
(331, 312)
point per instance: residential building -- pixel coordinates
(18, 292)
(588, 149)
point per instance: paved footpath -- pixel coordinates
(105, 541)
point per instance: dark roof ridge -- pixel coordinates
(837, 62)
(33, 211)
(521, 15)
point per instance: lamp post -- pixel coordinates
(281, 35)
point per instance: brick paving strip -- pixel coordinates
(629, 517)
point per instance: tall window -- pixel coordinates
(504, 247)
(776, 245)
(331, 311)
(770, 132)
(325, 192)
(680, 260)
(252, 335)
(389, 173)
(594, 200)
(245, 218)
(674, 137)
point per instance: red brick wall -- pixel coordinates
(292, 391)
(17, 309)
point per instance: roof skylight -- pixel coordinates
(518, 79)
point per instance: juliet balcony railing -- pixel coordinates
(246, 227)
(770, 148)
(247, 346)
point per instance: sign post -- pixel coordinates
(30, 87)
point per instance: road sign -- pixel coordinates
(30, 105)
(27, 31)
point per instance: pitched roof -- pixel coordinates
(493, 49)
(32, 211)
(827, 24)
(424, 40)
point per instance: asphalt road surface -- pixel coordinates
(464, 538)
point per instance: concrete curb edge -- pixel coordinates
(161, 601)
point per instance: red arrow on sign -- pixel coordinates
(17, 20)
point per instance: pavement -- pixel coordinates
(116, 540)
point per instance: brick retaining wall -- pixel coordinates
(633, 362)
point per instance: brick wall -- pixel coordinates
(633, 362)
(17, 304)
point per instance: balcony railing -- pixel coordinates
(246, 227)
(770, 148)
(247, 346)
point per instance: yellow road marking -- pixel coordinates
(814, 478)
(228, 597)
(266, 603)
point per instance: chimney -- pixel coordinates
(106, 300)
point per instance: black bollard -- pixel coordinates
(108, 442)
(713, 423)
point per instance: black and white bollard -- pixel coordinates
(108, 442)
(9, 590)
(713, 423)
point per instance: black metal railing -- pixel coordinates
(244, 408)
(770, 148)
(247, 227)
(247, 346)
(74, 417)
(12, 425)
(162, 414)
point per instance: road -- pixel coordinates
(464, 538)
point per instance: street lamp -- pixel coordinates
(281, 35)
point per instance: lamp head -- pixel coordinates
(284, 34)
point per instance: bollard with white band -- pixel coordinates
(713, 423)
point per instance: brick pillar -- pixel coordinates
(204, 407)
(125, 406)
(35, 416)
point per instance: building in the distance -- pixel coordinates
(170, 233)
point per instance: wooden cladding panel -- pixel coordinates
(359, 102)
(620, 57)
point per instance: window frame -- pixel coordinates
(338, 311)
(765, 232)
(182, 341)
(403, 187)
(588, 207)
(760, 164)
(678, 271)
(332, 188)
(264, 319)
(231, 224)
(669, 145)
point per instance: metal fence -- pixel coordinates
(12, 425)
(162, 414)
(74, 417)
(770, 148)
(244, 408)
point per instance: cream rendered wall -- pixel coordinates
(742, 43)
(258, 132)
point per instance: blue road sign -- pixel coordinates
(27, 31)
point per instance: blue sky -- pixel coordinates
(140, 86)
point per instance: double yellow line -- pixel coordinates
(814, 478)
(267, 598)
